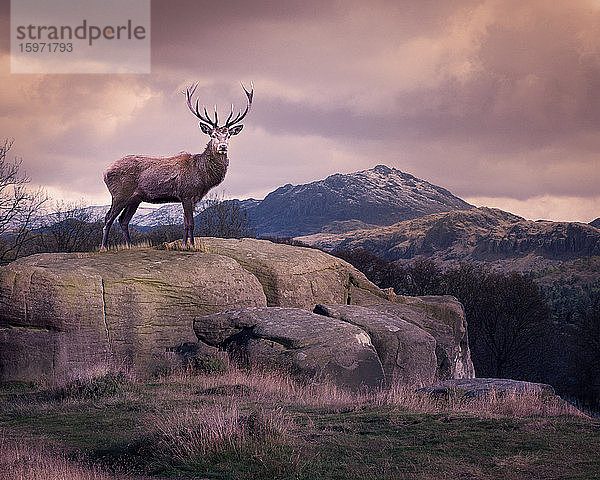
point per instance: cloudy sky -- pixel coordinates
(497, 101)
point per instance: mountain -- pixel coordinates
(145, 217)
(168, 214)
(379, 196)
(337, 204)
(484, 235)
(92, 214)
(97, 212)
(399, 217)
(172, 213)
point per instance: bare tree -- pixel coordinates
(584, 340)
(508, 322)
(18, 205)
(224, 219)
(69, 227)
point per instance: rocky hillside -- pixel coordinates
(379, 196)
(595, 223)
(499, 238)
(576, 274)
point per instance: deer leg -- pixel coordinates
(125, 218)
(188, 222)
(112, 213)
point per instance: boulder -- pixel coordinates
(406, 351)
(62, 314)
(478, 387)
(293, 276)
(444, 318)
(296, 340)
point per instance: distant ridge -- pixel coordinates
(378, 196)
(480, 235)
(399, 217)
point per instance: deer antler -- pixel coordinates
(195, 109)
(240, 116)
(189, 93)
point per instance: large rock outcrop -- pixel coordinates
(61, 314)
(294, 276)
(444, 318)
(481, 387)
(296, 340)
(324, 341)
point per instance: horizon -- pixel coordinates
(494, 101)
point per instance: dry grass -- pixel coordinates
(21, 461)
(249, 413)
(226, 426)
(123, 246)
(495, 404)
(266, 387)
(227, 419)
(178, 246)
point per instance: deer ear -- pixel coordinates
(235, 130)
(205, 128)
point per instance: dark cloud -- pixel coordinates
(487, 98)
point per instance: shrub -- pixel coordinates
(91, 388)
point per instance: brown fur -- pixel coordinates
(184, 178)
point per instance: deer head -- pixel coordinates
(219, 136)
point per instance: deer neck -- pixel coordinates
(214, 165)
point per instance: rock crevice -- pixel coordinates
(110, 348)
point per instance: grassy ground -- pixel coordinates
(258, 425)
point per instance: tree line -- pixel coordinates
(516, 329)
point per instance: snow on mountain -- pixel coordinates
(378, 196)
(168, 214)
(89, 214)
(172, 213)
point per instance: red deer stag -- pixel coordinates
(184, 177)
